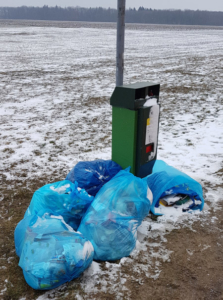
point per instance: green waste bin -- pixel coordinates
(135, 126)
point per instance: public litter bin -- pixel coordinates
(135, 126)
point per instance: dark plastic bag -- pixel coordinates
(92, 175)
(112, 219)
(51, 253)
(62, 198)
(166, 180)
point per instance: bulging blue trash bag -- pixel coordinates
(92, 175)
(166, 180)
(20, 232)
(52, 253)
(62, 198)
(112, 219)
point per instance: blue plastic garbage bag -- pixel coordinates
(92, 175)
(62, 198)
(166, 180)
(20, 232)
(111, 221)
(52, 252)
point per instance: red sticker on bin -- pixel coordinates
(149, 148)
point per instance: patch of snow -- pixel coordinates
(1, 197)
(205, 247)
(150, 102)
(61, 189)
(87, 250)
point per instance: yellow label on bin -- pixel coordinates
(148, 121)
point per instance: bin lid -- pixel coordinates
(133, 96)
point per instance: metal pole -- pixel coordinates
(120, 42)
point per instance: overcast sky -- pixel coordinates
(216, 5)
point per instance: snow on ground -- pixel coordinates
(55, 86)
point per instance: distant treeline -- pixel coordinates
(142, 15)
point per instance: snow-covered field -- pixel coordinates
(55, 85)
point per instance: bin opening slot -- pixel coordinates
(141, 93)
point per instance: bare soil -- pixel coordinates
(194, 272)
